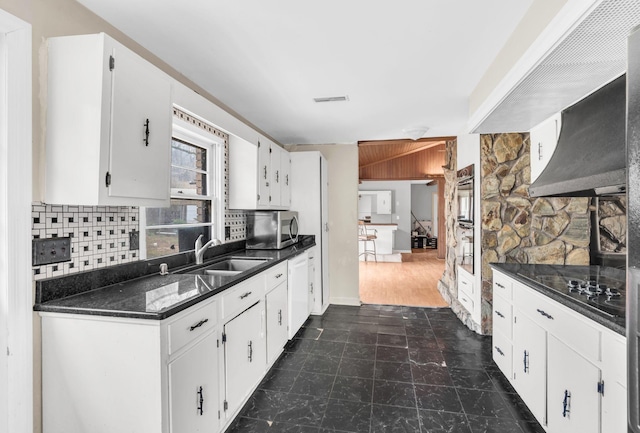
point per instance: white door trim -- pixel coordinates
(16, 284)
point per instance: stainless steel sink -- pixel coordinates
(227, 267)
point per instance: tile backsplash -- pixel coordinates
(99, 235)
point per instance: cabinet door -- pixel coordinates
(573, 399)
(312, 279)
(530, 364)
(298, 299)
(264, 172)
(544, 138)
(614, 378)
(383, 203)
(140, 140)
(285, 175)
(277, 320)
(244, 355)
(276, 177)
(193, 389)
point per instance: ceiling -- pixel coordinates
(408, 65)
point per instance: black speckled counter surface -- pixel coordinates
(515, 271)
(149, 296)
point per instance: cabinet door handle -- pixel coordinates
(566, 403)
(250, 351)
(244, 295)
(200, 401)
(277, 176)
(265, 173)
(499, 350)
(526, 361)
(146, 133)
(500, 285)
(499, 314)
(545, 314)
(199, 324)
(280, 317)
(311, 287)
(286, 180)
(279, 275)
(539, 151)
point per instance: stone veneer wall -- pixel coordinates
(448, 283)
(612, 222)
(518, 228)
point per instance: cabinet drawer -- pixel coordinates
(503, 354)
(578, 333)
(241, 297)
(502, 317)
(276, 275)
(502, 285)
(192, 325)
(465, 285)
(466, 301)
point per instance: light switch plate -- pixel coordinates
(50, 250)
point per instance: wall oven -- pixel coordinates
(271, 230)
(465, 196)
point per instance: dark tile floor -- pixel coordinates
(385, 369)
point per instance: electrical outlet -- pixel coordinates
(227, 233)
(51, 250)
(134, 240)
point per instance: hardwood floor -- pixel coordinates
(413, 282)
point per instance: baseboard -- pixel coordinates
(345, 301)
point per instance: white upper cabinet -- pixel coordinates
(108, 134)
(259, 175)
(543, 138)
(383, 202)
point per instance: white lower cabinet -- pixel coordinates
(569, 370)
(573, 397)
(530, 364)
(191, 372)
(244, 355)
(277, 320)
(194, 389)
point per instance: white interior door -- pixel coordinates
(16, 334)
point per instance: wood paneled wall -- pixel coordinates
(406, 163)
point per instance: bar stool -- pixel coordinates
(365, 237)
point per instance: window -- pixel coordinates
(196, 195)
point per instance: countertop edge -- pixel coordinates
(589, 314)
(50, 307)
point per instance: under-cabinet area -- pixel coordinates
(569, 369)
(187, 371)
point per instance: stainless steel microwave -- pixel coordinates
(271, 230)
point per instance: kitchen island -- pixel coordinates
(385, 241)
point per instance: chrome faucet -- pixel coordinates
(200, 249)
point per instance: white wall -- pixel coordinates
(401, 208)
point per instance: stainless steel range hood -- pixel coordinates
(590, 157)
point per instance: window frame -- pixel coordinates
(195, 136)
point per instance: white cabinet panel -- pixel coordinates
(530, 364)
(101, 100)
(285, 179)
(544, 138)
(383, 203)
(193, 389)
(244, 355)
(614, 378)
(503, 354)
(277, 321)
(298, 292)
(573, 399)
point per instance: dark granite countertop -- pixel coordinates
(155, 296)
(518, 271)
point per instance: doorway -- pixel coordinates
(16, 316)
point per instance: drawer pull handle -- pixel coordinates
(279, 275)
(280, 317)
(500, 285)
(545, 314)
(499, 350)
(500, 314)
(244, 295)
(250, 351)
(200, 401)
(199, 324)
(526, 361)
(566, 403)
